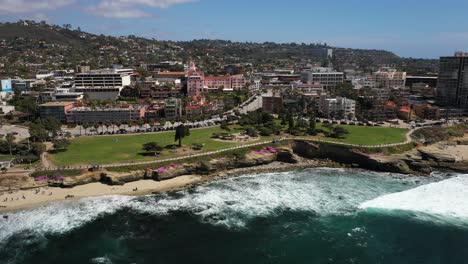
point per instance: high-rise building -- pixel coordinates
(452, 87)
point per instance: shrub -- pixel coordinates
(265, 131)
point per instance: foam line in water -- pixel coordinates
(435, 201)
(232, 202)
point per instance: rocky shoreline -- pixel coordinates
(450, 156)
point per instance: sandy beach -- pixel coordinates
(16, 200)
(24, 199)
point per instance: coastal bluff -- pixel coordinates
(450, 156)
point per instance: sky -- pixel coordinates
(409, 28)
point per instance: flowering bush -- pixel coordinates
(41, 178)
(59, 178)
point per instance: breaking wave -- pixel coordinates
(444, 202)
(230, 202)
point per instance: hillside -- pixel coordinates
(51, 46)
(53, 34)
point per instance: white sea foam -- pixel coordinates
(443, 202)
(59, 217)
(231, 202)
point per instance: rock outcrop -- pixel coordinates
(436, 155)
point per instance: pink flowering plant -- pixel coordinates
(41, 178)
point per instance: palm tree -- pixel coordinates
(85, 126)
(10, 139)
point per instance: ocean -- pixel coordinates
(307, 216)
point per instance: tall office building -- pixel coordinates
(452, 87)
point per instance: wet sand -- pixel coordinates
(31, 198)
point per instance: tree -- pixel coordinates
(339, 132)
(52, 125)
(10, 139)
(86, 126)
(181, 132)
(290, 123)
(152, 147)
(61, 144)
(38, 148)
(328, 126)
(37, 132)
(312, 123)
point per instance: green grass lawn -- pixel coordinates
(123, 148)
(370, 135)
(127, 148)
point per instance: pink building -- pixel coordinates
(197, 83)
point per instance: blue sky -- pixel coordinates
(411, 28)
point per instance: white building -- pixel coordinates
(43, 74)
(365, 82)
(327, 77)
(103, 84)
(339, 107)
(64, 94)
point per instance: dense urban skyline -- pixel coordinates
(410, 29)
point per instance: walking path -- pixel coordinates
(408, 140)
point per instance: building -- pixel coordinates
(339, 107)
(64, 94)
(103, 84)
(452, 88)
(272, 104)
(226, 83)
(310, 89)
(6, 86)
(198, 83)
(173, 108)
(389, 78)
(57, 110)
(431, 81)
(327, 77)
(195, 83)
(82, 115)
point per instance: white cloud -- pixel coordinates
(30, 6)
(130, 8)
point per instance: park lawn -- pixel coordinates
(127, 148)
(364, 135)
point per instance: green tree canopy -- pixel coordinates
(181, 132)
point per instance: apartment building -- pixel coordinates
(327, 77)
(389, 78)
(103, 84)
(173, 108)
(82, 115)
(310, 89)
(339, 107)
